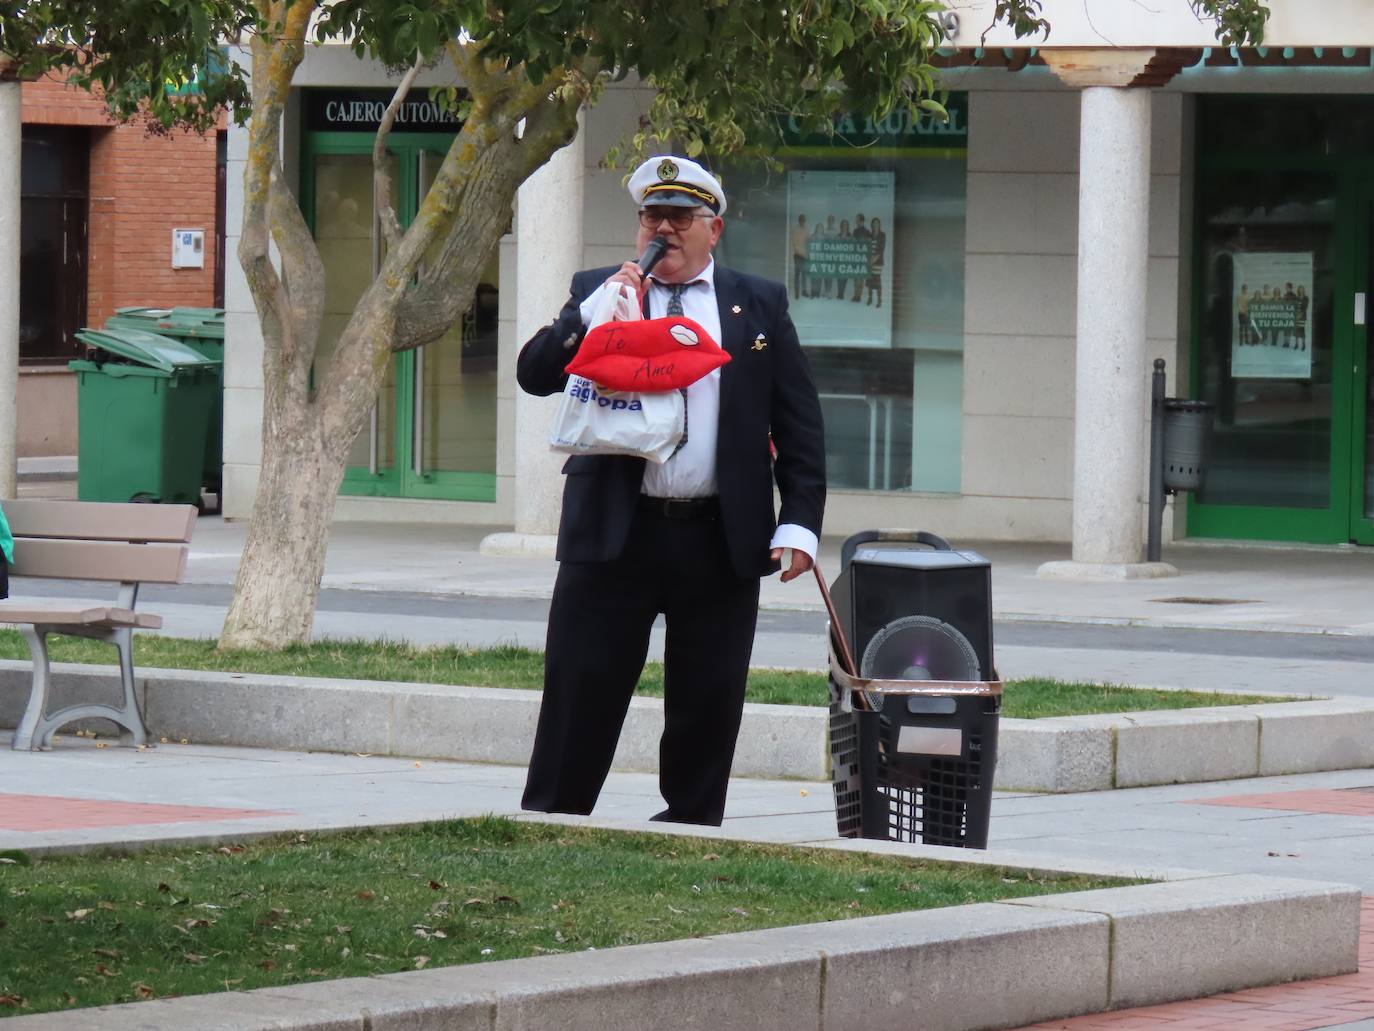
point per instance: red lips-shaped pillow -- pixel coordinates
(647, 354)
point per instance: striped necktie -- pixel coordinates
(675, 308)
(675, 297)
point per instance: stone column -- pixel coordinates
(549, 244)
(1112, 374)
(11, 148)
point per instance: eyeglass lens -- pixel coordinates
(679, 220)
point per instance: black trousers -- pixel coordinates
(598, 639)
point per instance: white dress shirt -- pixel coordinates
(691, 472)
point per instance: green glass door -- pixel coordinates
(1362, 384)
(1272, 354)
(1282, 300)
(432, 433)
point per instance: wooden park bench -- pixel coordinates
(128, 544)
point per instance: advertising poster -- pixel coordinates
(840, 257)
(1271, 313)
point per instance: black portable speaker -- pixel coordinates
(895, 587)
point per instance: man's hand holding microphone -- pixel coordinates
(635, 274)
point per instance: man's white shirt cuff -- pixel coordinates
(790, 535)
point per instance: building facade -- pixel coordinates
(98, 205)
(982, 298)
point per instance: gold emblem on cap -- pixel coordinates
(667, 170)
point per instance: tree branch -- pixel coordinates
(275, 59)
(482, 205)
(381, 177)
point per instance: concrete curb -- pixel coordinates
(1069, 754)
(1002, 964)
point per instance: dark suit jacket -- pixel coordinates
(763, 389)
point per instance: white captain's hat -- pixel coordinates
(676, 182)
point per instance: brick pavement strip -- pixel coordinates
(1340, 802)
(1327, 1002)
(35, 813)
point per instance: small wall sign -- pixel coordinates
(188, 248)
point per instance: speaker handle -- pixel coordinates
(851, 545)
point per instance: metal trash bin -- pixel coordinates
(1187, 437)
(143, 403)
(913, 759)
(202, 330)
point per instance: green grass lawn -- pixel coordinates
(524, 668)
(93, 930)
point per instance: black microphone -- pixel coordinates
(652, 254)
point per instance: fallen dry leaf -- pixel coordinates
(104, 971)
(107, 953)
(105, 905)
(267, 964)
(710, 857)
(78, 914)
(10, 999)
(437, 886)
(366, 895)
(144, 991)
(421, 962)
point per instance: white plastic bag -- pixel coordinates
(617, 304)
(590, 422)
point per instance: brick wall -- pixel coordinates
(142, 187)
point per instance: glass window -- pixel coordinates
(52, 242)
(870, 242)
(1266, 336)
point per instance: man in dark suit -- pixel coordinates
(689, 538)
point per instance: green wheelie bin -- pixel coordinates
(143, 408)
(201, 329)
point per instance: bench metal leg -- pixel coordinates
(38, 692)
(35, 731)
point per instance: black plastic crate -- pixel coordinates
(920, 768)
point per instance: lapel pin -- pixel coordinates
(737, 309)
(759, 343)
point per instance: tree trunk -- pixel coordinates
(283, 559)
